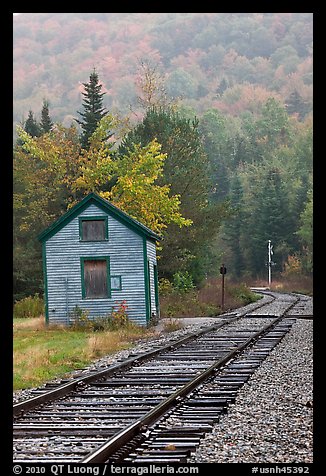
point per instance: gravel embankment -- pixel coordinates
(271, 420)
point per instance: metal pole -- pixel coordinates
(222, 306)
(67, 307)
(269, 263)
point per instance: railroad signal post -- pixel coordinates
(223, 273)
(270, 262)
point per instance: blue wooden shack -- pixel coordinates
(95, 257)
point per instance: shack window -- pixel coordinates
(95, 278)
(93, 229)
(116, 284)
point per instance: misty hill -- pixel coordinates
(231, 61)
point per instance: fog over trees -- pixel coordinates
(203, 132)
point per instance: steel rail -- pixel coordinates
(102, 453)
(65, 389)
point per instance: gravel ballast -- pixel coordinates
(162, 338)
(271, 420)
(145, 345)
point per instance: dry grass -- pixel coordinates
(205, 302)
(212, 293)
(42, 353)
(31, 358)
(33, 324)
(170, 325)
(103, 343)
(291, 284)
(107, 342)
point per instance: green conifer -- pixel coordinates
(31, 126)
(93, 108)
(46, 124)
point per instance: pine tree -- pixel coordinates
(187, 172)
(269, 221)
(223, 85)
(296, 104)
(93, 108)
(31, 126)
(46, 124)
(234, 227)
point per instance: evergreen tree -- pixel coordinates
(268, 221)
(187, 170)
(46, 124)
(93, 108)
(273, 127)
(296, 104)
(234, 227)
(305, 233)
(31, 126)
(215, 137)
(223, 85)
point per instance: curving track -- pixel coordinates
(154, 406)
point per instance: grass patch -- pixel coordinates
(43, 353)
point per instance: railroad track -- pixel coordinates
(153, 406)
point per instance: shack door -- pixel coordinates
(95, 279)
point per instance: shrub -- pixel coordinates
(186, 304)
(292, 267)
(117, 319)
(182, 281)
(165, 287)
(80, 319)
(31, 306)
(243, 294)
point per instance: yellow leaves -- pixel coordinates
(151, 205)
(135, 190)
(293, 266)
(94, 171)
(24, 227)
(100, 137)
(53, 163)
(106, 195)
(80, 183)
(43, 170)
(49, 150)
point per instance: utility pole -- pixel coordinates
(270, 254)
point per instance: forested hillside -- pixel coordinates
(203, 133)
(229, 61)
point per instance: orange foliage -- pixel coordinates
(52, 48)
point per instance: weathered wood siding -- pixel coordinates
(151, 256)
(64, 284)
